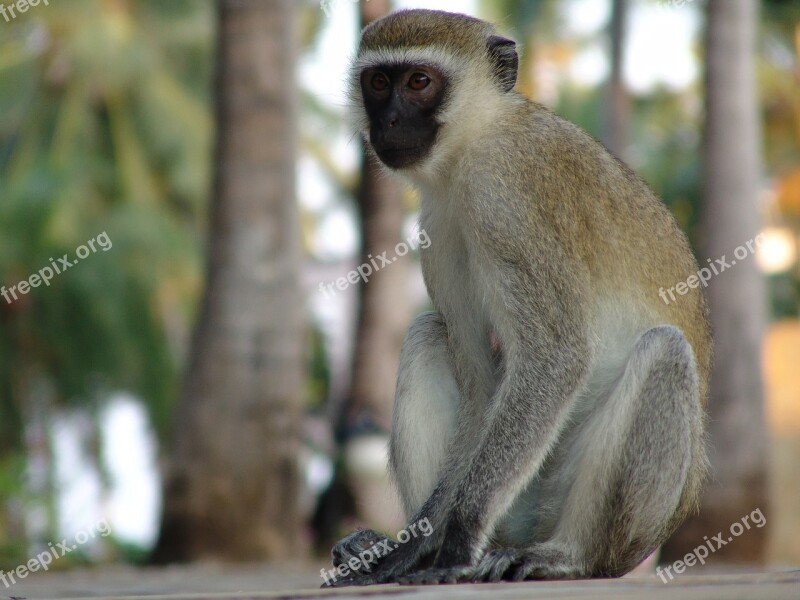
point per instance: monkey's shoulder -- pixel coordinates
(536, 157)
(546, 148)
(538, 172)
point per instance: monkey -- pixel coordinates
(549, 415)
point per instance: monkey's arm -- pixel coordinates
(543, 340)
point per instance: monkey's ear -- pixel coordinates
(503, 54)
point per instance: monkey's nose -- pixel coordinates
(393, 122)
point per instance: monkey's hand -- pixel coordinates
(358, 553)
(365, 546)
(372, 558)
(452, 564)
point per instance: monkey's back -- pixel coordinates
(622, 237)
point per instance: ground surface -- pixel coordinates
(213, 582)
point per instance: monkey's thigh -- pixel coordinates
(636, 459)
(425, 410)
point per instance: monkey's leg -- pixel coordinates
(425, 411)
(424, 419)
(636, 467)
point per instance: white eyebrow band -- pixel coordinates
(384, 56)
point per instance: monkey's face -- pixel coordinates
(402, 102)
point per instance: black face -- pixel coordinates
(401, 102)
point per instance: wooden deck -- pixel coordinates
(215, 582)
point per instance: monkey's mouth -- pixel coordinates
(401, 157)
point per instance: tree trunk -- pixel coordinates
(618, 105)
(738, 437)
(384, 313)
(384, 310)
(232, 481)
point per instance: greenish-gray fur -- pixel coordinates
(423, 28)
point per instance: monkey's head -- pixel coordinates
(425, 78)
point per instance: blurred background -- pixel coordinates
(202, 384)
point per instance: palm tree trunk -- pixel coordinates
(232, 482)
(738, 436)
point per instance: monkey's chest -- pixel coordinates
(459, 286)
(457, 276)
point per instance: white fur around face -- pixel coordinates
(470, 83)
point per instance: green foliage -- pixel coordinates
(319, 376)
(518, 15)
(127, 552)
(12, 469)
(105, 126)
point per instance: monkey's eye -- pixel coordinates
(419, 81)
(379, 82)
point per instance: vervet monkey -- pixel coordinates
(549, 415)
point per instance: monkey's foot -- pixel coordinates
(513, 564)
(436, 576)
